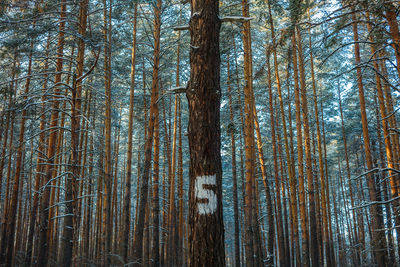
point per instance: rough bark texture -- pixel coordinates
(206, 229)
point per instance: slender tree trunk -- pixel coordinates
(167, 165)
(52, 141)
(71, 222)
(9, 236)
(180, 236)
(39, 165)
(279, 223)
(107, 220)
(5, 141)
(251, 223)
(309, 172)
(349, 184)
(302, 199)
(390, 240)
(290, 163)
(267, 192)
(155, 254)
(377, 239)
(320, 162)
(386, 134)
(125, 227)
(234, 174)
(138, 234)
(171, 213)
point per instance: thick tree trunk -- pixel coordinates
(206, 234)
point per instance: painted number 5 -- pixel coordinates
(202, 193)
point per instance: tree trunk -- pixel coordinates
(206, 235)
(391, 17)
(290, 162)
(377, 239)
(309, 172)
(234, 174)
(138, 234)
(125, 226)
(10, 226)
(302, 193)
(386, 134)
(52, 141)
(71, 222)
(155, 254)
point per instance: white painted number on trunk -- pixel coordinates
(202, 193)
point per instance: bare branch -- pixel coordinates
(223, 19)
(375, 203)
(181, 28)
(235, 19)
(173, 90)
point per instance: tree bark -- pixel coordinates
(206, 234)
